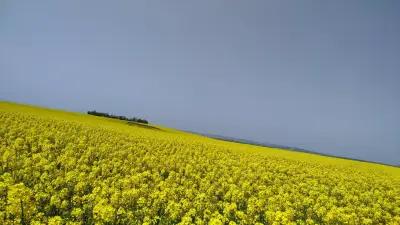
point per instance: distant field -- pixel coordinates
(60, 167)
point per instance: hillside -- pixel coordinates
(61, 167)
(283, 147)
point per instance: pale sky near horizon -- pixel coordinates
(317, 75)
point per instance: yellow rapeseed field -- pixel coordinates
(69, 168)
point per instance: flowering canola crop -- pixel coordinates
(68, 168)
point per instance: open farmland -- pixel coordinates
(68, 168)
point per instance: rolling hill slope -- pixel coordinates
(60, 167)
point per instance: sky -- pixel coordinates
(320, 75)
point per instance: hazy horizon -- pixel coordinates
(318, 76)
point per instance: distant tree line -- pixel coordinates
(133, 119)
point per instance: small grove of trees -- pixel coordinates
(132, 119)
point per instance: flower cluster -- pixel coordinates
(61, 170)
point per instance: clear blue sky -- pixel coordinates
(318, 75)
